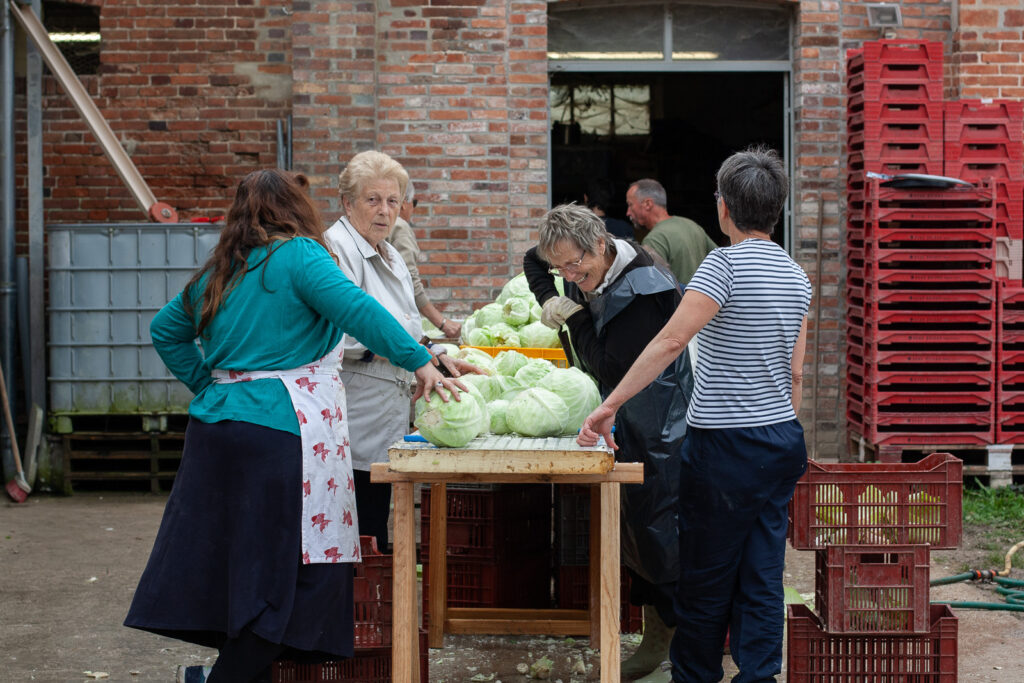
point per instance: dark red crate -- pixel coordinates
(981, 170)
(491, 524)
(929, 429)
(957, 196)
(888, 112)
(368, 665)
(572, 590)
(892, 276)
(572, 526)
(891, 368)
(925, 130)
(814, 656)
(932, 321)
(1010, 396)
(830, 488)
(941, 300)
(934, 218)
(901, 51)
(874, 589)
(857, 162)
(983, 152)
(893, 90)
(940, 235)
(969, 120)
(932, 378)
(1011, 428)
(972, 351)
(887, 407)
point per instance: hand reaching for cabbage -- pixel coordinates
(429, 379)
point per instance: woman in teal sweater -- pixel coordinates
(255, 550)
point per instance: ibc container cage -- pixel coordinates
(106, 282)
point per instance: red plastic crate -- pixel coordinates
(368, 665)
(957, 196)
(814, 656)
(972, 171)
(873, 589)
(830, 505)
(371, 596)
(856, 162)
(572, 589)
(925, 130)
(901, 51)
(969, 351)
(969, 120)
(892, 274)
(1011, 427)
(983, 152)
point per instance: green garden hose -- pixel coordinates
(1012, 590)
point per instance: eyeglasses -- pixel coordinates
(415, 202)
(717, 196)
(573, 266)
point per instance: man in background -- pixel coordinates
(680, 241)
(403, 239)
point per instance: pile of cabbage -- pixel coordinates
(520, 395)
(512, 320)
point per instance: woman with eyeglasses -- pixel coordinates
(744, 451)
(616, 299)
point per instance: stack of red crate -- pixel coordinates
(499, 546)
(572, 557)
(894, 125)
(371, 661)
(922, 319)
(872, 527)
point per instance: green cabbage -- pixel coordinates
(497, 409)
(534, 370)
(535, 311)
(508, 362)
(480, 336)
(490, 387)
(488, 315)
(516, 311)
(504, 334)
(577, 390)
(538, 336)
(452, 424)
(537, 412)
(481, 359)
(516, 287)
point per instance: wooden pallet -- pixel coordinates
(993, 464)
(135, 460)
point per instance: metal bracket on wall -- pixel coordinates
(159, 212)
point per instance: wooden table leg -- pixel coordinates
(595, 566)
(610, 602)
(437, 597)
(405, 660)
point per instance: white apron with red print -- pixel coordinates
(330, 529)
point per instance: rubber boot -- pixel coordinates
(653, 648)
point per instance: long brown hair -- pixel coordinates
(270, 205)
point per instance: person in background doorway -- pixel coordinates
(403, 239)
(255, 549)
(598, 198)
(617, 297)
(372, 187)
(744, 448)
(678, 240)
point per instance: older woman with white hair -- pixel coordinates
(372, 187)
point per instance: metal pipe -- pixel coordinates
(76, 92)
(36, 267)
(8, 288)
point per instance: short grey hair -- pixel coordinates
(754, 186)
(649, 188)
(410, 192)
(573, 223)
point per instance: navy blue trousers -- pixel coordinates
(735, 486)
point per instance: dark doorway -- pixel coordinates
(695, 121)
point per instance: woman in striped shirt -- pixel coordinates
(744, 450)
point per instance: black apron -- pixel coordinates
(649, 428)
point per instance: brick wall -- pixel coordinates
(988, 49)
(457, 91)
(193, 93)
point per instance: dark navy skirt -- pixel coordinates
(227, 555)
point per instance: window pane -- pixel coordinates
(729, 33)
(632, 109)
(606, 32)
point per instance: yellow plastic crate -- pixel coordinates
(556, 356)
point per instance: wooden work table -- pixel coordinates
(506, 460)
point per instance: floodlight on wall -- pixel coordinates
(884, 15)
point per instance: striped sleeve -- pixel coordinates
(714, 277)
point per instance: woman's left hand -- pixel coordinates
(429, 379)
(598, 423)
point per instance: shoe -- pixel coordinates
(192, 674)
(653, 648)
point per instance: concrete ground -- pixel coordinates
(69, 566)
